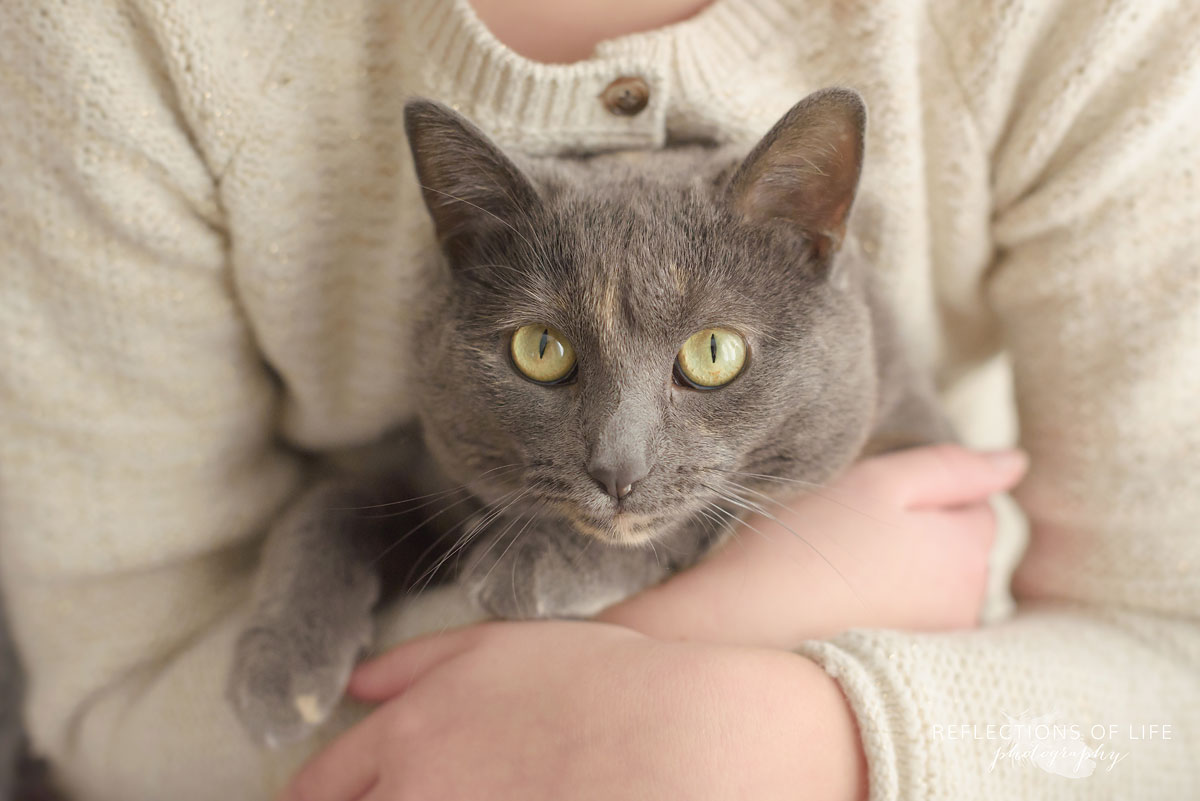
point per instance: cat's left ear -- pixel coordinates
(805, 170)
(470, 187)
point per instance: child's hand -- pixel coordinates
(552, 710)
(899, 541)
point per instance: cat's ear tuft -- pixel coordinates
(470, 187)
(806, 169)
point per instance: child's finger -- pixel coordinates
(392, 673)
(345, 771)
(950, 475)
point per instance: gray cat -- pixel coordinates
(623, 354)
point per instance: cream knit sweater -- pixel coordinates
(208, 226)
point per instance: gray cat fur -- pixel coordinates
(627, 254)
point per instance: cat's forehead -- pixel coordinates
(653, 241)
(646, 266)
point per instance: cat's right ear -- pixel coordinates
(470, 187)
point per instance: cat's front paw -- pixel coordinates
(507, 587)
(550, 576)
(283, 685)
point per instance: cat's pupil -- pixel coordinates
(543, 342)
(712, 346)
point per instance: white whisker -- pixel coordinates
(758, 509)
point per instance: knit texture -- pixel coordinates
(210, 240)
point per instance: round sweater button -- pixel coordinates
(626, 96)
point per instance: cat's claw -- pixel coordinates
(281, 690)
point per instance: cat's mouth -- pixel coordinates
(621, 528)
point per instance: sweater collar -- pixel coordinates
(554, 108)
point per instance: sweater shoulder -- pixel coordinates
(135, 72)
(1046, 79)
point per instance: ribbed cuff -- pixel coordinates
(894, 734)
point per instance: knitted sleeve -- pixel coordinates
(1093, 689)
(136, 455)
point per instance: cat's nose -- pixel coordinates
(618, 479)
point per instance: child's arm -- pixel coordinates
(900, 541)
(558, 710)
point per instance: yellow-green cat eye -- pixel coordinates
(711, 358)
(542, 354)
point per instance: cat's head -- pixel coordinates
(626, 339)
